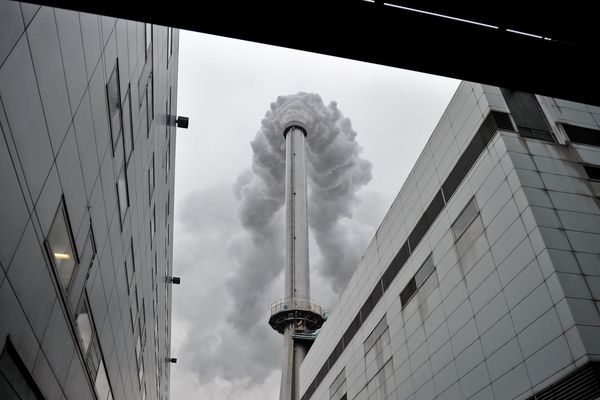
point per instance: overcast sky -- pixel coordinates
(225, 87)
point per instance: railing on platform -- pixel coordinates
(303, 304)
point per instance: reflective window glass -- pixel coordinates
(127, 127)
(114, 104)
(463, 221)
(61, 248)
(148, 39)
(101, 383)
(150, 102)
(423, 273)
(123, 193)
(84, 327)
(15, 381)
(141, 370)
(129, 264)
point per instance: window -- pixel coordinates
(145, 85)
(168, 159)
(83, 324)
(337, 389)
(60, 246)
(413, 286)
(138, 349)
(151, 178)
(132, 318)
(148, 38)
(407, 293)
(155, 275)
(129, 264)
(528, 115)
(90, 347)
(152, 225)
(101, 383)
(592, 171)
(141, 370)
(137, 300)
(144, 127)
(377, 332)
(423, 273)
(127, 127)
(168, 203)
(170, 119)
(579, 134)
(113, 93)
(15, 380)
(169, 44)
(378, 351)
(150, 96)
(464, 219)
(123, 193)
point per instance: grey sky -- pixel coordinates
(226, 87)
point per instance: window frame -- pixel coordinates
(71, 240)
(114, 139)
(9, 351)
(127, 138)
(93, 362)
(587, 167)
(466, 227)
(169, 45)
(415, 286)
(123, 214)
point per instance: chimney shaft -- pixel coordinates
(297, 283)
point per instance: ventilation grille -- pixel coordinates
(582, 384)
(503, 121)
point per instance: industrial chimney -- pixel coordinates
(297, 317)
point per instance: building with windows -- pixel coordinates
(87, 142)
(483, 280)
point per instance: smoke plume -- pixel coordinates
(335, 173)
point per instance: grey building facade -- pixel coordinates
(483, 280)
(87, 145)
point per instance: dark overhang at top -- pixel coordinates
(489, 42)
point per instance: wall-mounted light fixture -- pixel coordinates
(182, 122)
(174, 280)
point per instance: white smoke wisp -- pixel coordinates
(335, 173)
